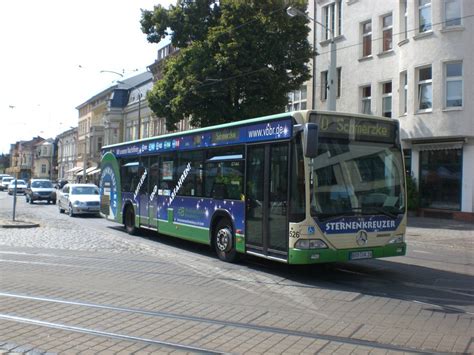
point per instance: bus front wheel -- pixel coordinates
(224, 241)
(130, 221)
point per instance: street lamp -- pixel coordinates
(16, 182)
(139, 105)
(332, 72)
(85, 159)
(111, 71)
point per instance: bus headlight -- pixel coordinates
(310, 244)
(397, 239)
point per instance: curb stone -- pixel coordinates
(17, 224)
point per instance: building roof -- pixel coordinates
(125, 84)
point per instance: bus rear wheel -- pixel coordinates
(129, 221)
(224, 241)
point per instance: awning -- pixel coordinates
(88, 170)
(439, 146)
(93, 172)
(73, 170)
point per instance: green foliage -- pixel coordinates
(413, 197)
(237, 59)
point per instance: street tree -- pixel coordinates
(237, 59)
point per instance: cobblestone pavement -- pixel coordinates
(81, 285)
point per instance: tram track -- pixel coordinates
(88, 331)
(181, 317)
(342, 285)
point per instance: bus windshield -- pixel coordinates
(356, 178)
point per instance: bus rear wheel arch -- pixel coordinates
(223, 240)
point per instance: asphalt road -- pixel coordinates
(82, 285)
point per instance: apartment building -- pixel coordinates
(44, 164)
(22, 158)
(410, 60)
(67, 154)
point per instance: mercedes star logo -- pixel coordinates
(361, 238)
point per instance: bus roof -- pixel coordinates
(300, 116)
(205, 129)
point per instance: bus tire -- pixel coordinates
(129, 221)
(224, 241)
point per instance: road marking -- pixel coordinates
(421, 252)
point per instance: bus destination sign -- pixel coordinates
(356, 128)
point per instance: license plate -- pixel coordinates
(357, 255)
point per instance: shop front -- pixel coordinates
(443, 171)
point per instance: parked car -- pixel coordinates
(20, 186)
(60, 183)
(79, 199)
(5, 181)
(40, 190)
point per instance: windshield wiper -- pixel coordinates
(363, 210)
(322, 216)
(380, 210)
(355, 210)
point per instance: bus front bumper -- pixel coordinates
(316, 256)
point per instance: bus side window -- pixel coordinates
(193, 184)
(129, 174)
(224, 180)
(167, 173)
(154, 173)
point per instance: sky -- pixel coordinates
(52, 54)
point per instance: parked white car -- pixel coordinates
(79, 199)
(5, 181)
(20, 186)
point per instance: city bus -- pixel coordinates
(300, 187)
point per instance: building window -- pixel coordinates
(452, 13)
(387, 32)
(339, 76)
(324, 84)
(441, 178)
(297, 99)
(332, 19)
(404, 19)
(424, 16)
(43, 168)
(366, 39)
(404, 92)
(366, 94)
(144, 129)
(454, 90)
(408, 159)
(425, 89)
(99, 143)
(387, 99)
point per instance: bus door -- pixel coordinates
(141, 189)
(153, 183)
(266, 200)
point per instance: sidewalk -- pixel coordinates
(439, 223)
(6, 221)
(438, 233)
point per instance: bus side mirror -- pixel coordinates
(310, 140)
